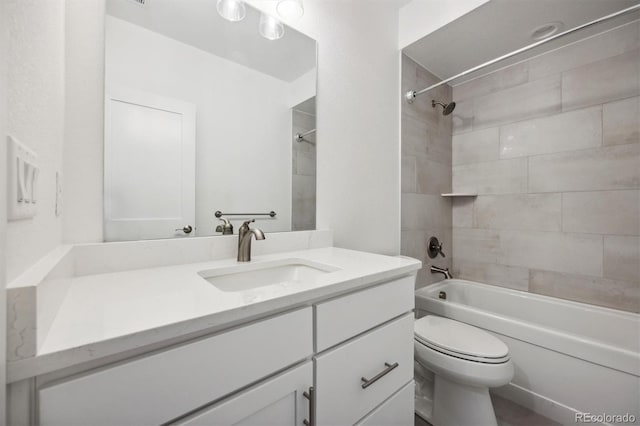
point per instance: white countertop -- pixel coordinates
(108, 313)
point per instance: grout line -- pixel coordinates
(602, 125)
(562, 211)
(603, 254)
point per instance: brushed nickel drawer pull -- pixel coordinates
(311, 396)
(368, 382)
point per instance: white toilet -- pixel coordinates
(466, 362)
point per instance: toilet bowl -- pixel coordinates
(466, 362)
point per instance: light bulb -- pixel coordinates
(232, 10)
(270, 28)
(290, 9)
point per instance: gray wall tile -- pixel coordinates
(603, 46)
(478, 245)
(621, 122)
(598, 291)
(540, 212)
(462, 117)
(303, 194)
(604, 81)
(432, 177)
(615, 167)
(621, 258)
(476, 147)
(566, 182)
(414, 135)
(408, 174)
(602, 212)
(498, 80)
(426, 170)
(570, 131)
(303, 212)
(513, 277)
(540, 97)
(498, 177)
(552, 251)
(462, 212)
(424, 211)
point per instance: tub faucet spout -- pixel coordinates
(443, 271)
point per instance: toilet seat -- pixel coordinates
(460, 340)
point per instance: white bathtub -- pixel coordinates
(569, 357)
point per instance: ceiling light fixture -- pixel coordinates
(547, 30)
(290, 9)
(270, 28)
(232, 10)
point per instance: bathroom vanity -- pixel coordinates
(304, 334)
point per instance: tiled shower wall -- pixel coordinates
(426, 171)
(303, 194)
(551, 145)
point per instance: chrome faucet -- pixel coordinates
(443, 271)
(244, 240)
(226, 228)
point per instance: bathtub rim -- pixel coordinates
(587, 349)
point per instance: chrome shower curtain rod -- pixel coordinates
(300, 136)
(412, 94)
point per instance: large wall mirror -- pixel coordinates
(201, 116)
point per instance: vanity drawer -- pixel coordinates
(395, 411)
(340, 396)
(163, 386)
(342, 318)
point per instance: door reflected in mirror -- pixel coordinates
(202, 115)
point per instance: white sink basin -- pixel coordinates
(245, 277)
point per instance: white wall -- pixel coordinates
(3, 211)
(421, 17)
(358, 120)
(243, 142)
(303, 88)
(84, 117)
(35, 99)
(358, 116)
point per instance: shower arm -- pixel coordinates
(412, 94)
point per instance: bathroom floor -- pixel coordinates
(509, 414)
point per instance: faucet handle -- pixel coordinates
(247, 222)
(435, 248)
(226, 228)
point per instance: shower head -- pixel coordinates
(447, 108)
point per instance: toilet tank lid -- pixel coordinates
(459, 337)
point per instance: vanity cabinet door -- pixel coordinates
(396, 411)
(355, 378)
(277, 402)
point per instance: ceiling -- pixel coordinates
(197, 23)
(499, 27)
(308, 106)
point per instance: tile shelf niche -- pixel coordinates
(459, 194)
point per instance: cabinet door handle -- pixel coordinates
(368, 382)
(311, 396)
(187, 229)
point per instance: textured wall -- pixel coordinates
(84, 117)
(35, 97)
(358, 110)
(551, 145)
(426, 171)
(303, 194)
(3, 209)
